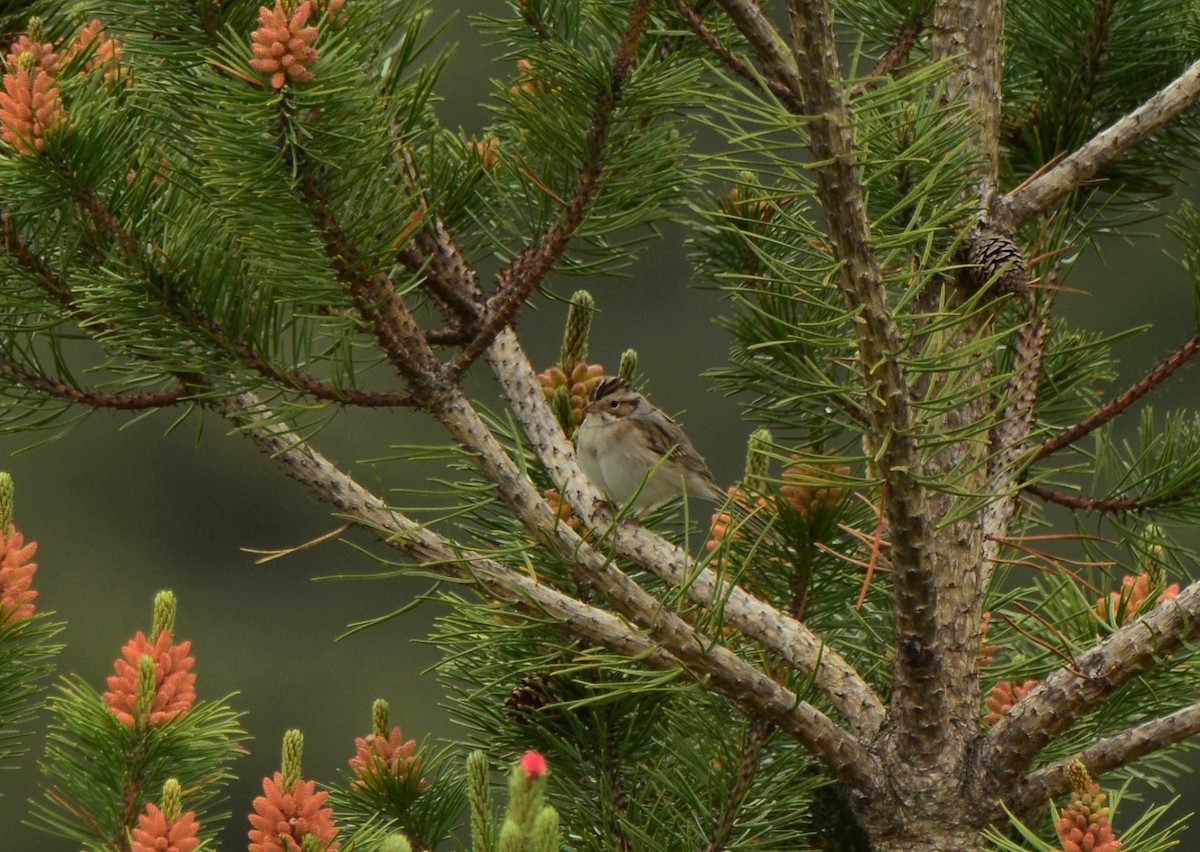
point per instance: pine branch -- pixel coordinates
(447, 336)
(449, 274)
(530, 13)
(1016, 208)
(617, 803)
(89, 397)
(734, 63)
(1070, 693)
(61, 294)
(1107, 754)
(208, 14)
(766, 42)
(792, 640)
(1093, 59)
(20, 251)
(1110, 410)
(445, 272)
(906, 39)
(293, 379)
(1108, 505)
(516, 282)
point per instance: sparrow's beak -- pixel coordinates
(591, 408)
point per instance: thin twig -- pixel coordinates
(90, 397)
(395, 329)
(732, 62)
(897, 54)
(1118, 404)
(610, 768)
(1007, 439)
(295, 380)
(1109, 505)
(517, 280)
(32, 262)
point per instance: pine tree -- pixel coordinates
(255, 213)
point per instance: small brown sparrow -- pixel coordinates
(633, 451)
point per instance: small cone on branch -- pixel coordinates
(165, 827)
(584, 377)
(573, 374)
(102, 52)
(383, 756)
(153, 680)
(531, 694)
(332, 8)
(488, 151)
(751, 211)
(529, 84)
(748, 496)
(812, 487)
(530, 825)
(997, 261)
(16, 570)
(172, 684)
(724, 523)
(562, 509)
(560, 404)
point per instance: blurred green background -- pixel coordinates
(121, 511)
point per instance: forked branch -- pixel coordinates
(676, 645)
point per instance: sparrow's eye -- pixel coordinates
(612, 403)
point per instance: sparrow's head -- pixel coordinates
(614, 398)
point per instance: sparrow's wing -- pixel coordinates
(665, 436)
